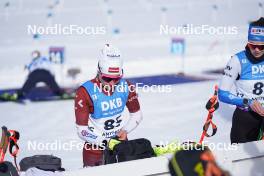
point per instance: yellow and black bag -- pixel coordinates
(196, 161)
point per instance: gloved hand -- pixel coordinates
(112, 142)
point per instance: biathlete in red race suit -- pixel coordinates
(99, 107)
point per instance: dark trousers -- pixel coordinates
(246, 126)
(40, 75)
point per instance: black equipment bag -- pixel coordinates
(129, 150)
(8, 169)
(43, 162)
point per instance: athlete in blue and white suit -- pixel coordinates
(40, 70)
(245, 71)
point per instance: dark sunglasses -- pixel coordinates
(260, 47)
(107, 79)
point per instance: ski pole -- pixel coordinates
(13, 144)
(212, 105)
(4, 143)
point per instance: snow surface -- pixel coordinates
(178, 115)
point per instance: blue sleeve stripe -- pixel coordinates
(227, 97)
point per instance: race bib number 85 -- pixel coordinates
(112, 123)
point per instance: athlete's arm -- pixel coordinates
(83, 107)
(230, 75)
(134, 110)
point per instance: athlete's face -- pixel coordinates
(256, 50)
(108, 80)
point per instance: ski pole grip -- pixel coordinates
(4, 128)
(213, 103)
(216, 90)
